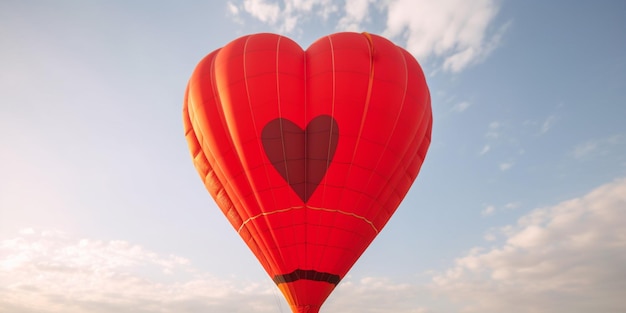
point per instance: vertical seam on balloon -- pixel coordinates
(334, 85)
(332, 108)
(415, 141)
(280, 252)
(368, 98)
(280, 120)
(401, 159)
(332, 114)
(366, 104)
(264, 250)
(393, 129)
(426, 121)
(306, 163)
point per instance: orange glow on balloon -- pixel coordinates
(308, 153)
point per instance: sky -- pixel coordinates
(520, 205)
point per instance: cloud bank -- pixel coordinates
(53, 272)
(564, 258)
(457, 33)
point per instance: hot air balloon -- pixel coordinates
(308, 153)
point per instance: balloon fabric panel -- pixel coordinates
(308, 153)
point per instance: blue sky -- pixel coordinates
(520, 205)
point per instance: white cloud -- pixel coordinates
(232, 8)
(488, 210)
(460, 107)
(584, 149)
(378, 295)
(599, 147)
(565, 258)
(540, 127)
(234, 12)
(491, 209)
(267, 12)
(504, 137)
(512, 205)
(355, 12)
(493, 130)
(490, 236)
(485, 149)
(27, 231)
(547, 124)
(457, 31)
(284, 15)
(505, 166)
(54, 272)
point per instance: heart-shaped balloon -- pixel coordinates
(308, 153)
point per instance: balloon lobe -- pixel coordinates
(308, 153)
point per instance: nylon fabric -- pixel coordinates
(308, 153)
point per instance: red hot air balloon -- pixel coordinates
(308, 153)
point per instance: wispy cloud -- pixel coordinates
(512, 205)
(488, 210)
(503, 137)
(489, 236)
(492, 209)
(232, 8)
(458, 32)
(599, 147)
(540, 127)
(565, 258)
(585, 149)
(505, 166)
(493, 130)
(460, 107)
(547, 124)
(485, 149)
(234, 11)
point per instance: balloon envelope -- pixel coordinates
(308, 153)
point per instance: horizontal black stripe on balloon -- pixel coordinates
(308, 275)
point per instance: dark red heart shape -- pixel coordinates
(301, 156)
